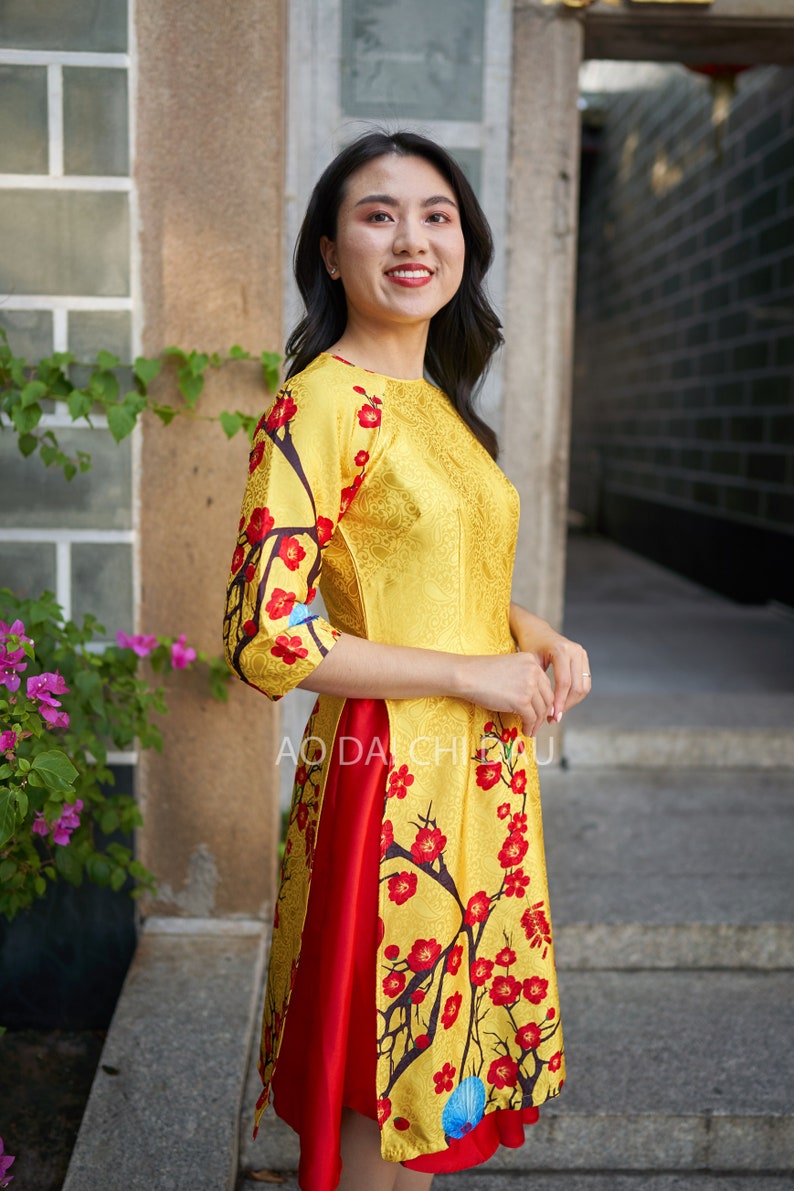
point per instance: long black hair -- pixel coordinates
(463, 335)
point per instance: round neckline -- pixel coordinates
(398, 380)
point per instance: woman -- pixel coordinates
(423, 1025)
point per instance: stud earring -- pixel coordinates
(332, 270)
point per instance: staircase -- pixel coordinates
(671, 865)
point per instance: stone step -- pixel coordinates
(667, 1071)
(668, 730)
(678, 869)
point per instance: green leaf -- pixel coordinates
(79, 404)
(25, 418)
(27, 444)
(120, 421)
(62, 359)
(230, 423)
(190, 386)
(8, 817)
(22, 804)
(197, 362)
(68, 864)
(271, 363)
(98, 869)
(117, 879)
(109, 821)
(165, 413)
(32, 393)
(106, 361)
(7, 869)
(104, 385)
(238, 353)
(175, 351)
(146, 370)
(40, 885)
(56, 769)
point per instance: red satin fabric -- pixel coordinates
(328, 1054)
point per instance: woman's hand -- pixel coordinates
(513, 682)
(572, 680)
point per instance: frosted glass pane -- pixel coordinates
(35, 496)
(99, 25)
(23, 120)
(102, 585)
(28, 568)
(29, 332)
(91, 331)
(64, 242)
(95, 121)
(413, 59)
(470, 161)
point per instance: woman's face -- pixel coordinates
(399, 247)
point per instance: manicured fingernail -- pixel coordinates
(558, 716)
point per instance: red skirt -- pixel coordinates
(328, 1057)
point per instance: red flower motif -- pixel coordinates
(508, 734)
(346, 496)
(301, 774)
(480, 971)
(517, 823)
(477, 908)
(358, 389)
(515, 883)
(422, 1042)
(367, 416)
(289, 649)
(280, 603)
(302, 816)
(238, 558)
(399, 781)
(291, 553)
(394, 983)
(505, 957)
(503, 811)
(362, 457)
(444, 1079)
(325, 527)
(284, 409)
(383, 1109)
(505, 990)
(386, 837)
(401, 887)
(454, 958)
(551, 1013)
(518, 782)
(392, 951)
(489, 774)
(310, 837)
(250, 573)
(536, 989)
(536, 925)
(311, 592)
(428, 845)
(401, 1124)
(255, 458)
(451, 1010)
(418, 996)
(555, 1062)
(259, 525)
(528, 1037)
(513, 850)
(488, 727)
(423, 954)
(250, 628)
(503, 1072)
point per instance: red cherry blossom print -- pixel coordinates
(444, 1079)
(505, 990)
(536, 926)
(289, 649)
(418, 996)
(520, 747)
(401, 1124)
(422, 1042)
(311, 592)
(399, 781)
(401, 887)
(259, 525)
(428, 845)
(238, 558)
(454, 958)
(480, 971)
(284, 409)
(516, 883)
(528, 1037)
(555, 1062)
(301, 774)
(508, 734)
(517, 823)
(250, 573)
(291, 553)
(513, 850)
(302, 816)
(503, 1072)
(551, 1013)
(505, 957)
(325, 527)
(503, 811)
(310, 837)
(394, 983)
(451, 1010)
(536, 989)
(488, 726)
(489, 774)
(280, 603)
(251, 628)
(518, 782)
(477, 908)
(423, 954)
(358, 389)
(240, 524)
(386, 837)
(367, 416)
(255, 458)
(392, 951)
(383, 1109)
(362, 458)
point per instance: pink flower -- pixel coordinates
(142, 644)
(12, 661)
(6, 1161)
(68, 822)
(8, 741)
(181, 655)
(43, 687)
(40, 825)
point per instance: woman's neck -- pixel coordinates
(390, 353)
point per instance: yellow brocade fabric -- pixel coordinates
(381, 485)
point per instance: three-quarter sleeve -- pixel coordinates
(308, 459)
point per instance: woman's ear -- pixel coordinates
(328, 253)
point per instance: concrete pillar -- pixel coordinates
(541, 257)
(210, 177)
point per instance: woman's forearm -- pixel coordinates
(530, 633)
(359, 669)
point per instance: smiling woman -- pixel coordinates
(411, 1021)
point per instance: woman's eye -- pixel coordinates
(379, 217)
(438, 217)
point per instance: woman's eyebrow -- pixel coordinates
(387, 200)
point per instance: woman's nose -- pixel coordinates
(410, 237)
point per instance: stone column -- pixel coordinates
(210, 176)
(541, 257)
